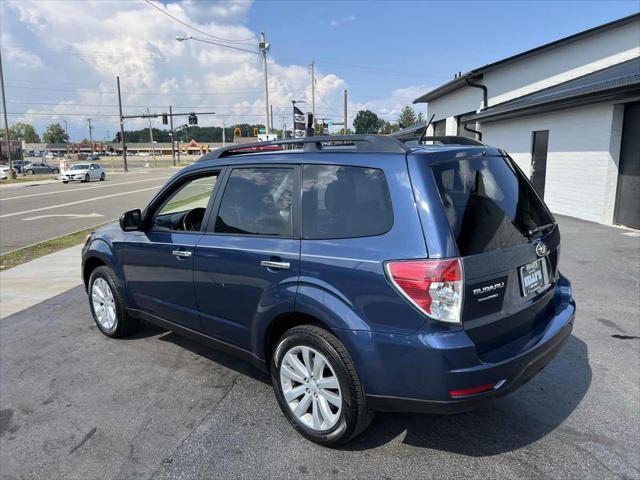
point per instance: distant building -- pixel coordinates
(15, 149)
(568, 112)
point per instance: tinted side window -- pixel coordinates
(257, 201)
(344, 202)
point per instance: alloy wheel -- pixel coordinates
(310, 388)
(104, 305)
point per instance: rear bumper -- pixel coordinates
(416, 373)
(521, 371)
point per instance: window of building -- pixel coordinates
(344, 202)
(440, 128)
(257, 201)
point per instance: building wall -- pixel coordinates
(532, 73)
(582, 160)
(563, 63)
(455, 103)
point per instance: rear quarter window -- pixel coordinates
(344, 202)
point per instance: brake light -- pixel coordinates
(434, 286)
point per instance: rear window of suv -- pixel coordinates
(344, 202)
(489, 203)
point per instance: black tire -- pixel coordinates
(355, 414)
(87, 178)
(29, 172)
(55, 170)
(124, 324)
(65, 181)
(102, 177)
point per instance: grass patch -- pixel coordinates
(28, 178)
(26, 254)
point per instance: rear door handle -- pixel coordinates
(272, 264)
(181, 253)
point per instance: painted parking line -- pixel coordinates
(65, 215)
(84, 188)
(77, 202)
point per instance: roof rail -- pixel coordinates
(327, 143)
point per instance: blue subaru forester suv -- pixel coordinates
(363, 272)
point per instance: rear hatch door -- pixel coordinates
(509, 244)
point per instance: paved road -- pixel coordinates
(75, 404)
(31, 214)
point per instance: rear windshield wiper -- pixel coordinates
(541, 228)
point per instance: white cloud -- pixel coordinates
(98, 41)
(340, 21)
(389, 108)
(88, 44)
(18, 57)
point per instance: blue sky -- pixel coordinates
(61, 58)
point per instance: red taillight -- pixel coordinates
(472, 391)
(434, 286)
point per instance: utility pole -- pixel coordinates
(313, 89)
(12, 172)
(224, 136)
(124, 146)
(153, 152)
(90, 135)
(263, 46)
(271, 116)
(173, 148)
(66, 131)
(345, 111)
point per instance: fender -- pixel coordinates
(100, 248)
(276, 301)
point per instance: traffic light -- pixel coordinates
(165, 119)
(118, 137)
(193, 119)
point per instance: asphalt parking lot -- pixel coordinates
(75, 404)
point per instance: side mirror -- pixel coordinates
(131, 220)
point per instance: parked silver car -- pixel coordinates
(40, 167)
(84, 172)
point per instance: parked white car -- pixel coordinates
(84, 172)
(4, 172)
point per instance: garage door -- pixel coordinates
(627, 205)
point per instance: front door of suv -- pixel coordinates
(246, 264)
(158, 262)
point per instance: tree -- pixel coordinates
(25, 131)
(407, 117)
(55, 134)
(389, 127)
(420, 117)
(367, 122)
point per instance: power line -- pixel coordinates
(115, 54)
(136, 92)
(246, 40)
(17, 102)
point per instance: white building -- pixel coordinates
(568, 112)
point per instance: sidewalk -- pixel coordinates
(38, 280)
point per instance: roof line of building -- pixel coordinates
(476, 73)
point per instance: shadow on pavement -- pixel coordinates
(514, 422)
(511, 423)
(221, 358)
